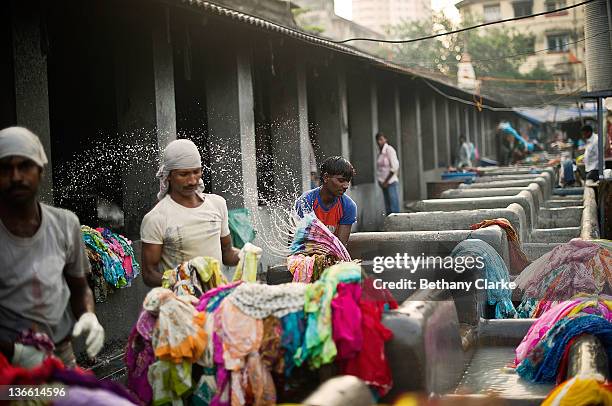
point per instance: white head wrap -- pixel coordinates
(19, 141)
(179, 154)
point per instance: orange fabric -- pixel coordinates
(190, 348)
(518, 259)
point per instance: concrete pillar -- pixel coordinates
(447, 130)
(483, 134)
(476, 129)
(344, 115)
(289, 118)
(466, 117)
(434, 131)
(428, 131)
(363, 122)
(389, 120)
(412, 163)
(31, 87)
(163, 68)
(325, 110)
(231, 124)
(441, 133)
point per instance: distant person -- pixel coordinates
(186, 222)
(387, 166)
(464, 155)
(329, 202)
(591, 153)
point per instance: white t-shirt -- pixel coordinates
(591, 154)
(185, 232)
(33, 290)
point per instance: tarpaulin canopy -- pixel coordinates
(559, 114)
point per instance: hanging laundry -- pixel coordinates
(320, 348)
(293, 327)
(213, 298)
(346, 320)
(139, 356)
(308, 268)
(170, 381)
(495, 271)
(112, 261)
(179, 334)
(518, 259)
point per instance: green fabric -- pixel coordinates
(240, 227)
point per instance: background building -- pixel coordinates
(560, 34)
(378, 14)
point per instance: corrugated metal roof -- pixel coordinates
(312, 39)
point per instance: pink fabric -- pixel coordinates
(346, 320)
(387, 162)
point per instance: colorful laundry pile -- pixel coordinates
(112, 260)
(495, 270)
(543, 354)
(576, 267)
(518, 259)
(239, 341)
(194, 277)
(314, 249)
(80, 387)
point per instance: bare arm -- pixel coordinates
(343, 231)
(228, 252)
(151, 257)
(81, 298)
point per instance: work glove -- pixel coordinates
(95, 336)
(26, 356)
(248, 247)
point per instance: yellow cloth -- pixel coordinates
(247, 270)
(579, 392)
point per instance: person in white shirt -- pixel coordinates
(186, 222)
(464, 156)
(44, 287)
(591, 153)
(387, 166)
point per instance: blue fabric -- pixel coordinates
(568, 172)
(391, 195)
(495, 271)
(294, 325)
(543, 361)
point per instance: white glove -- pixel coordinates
(95, 336)
(248, 247)
(26, 356)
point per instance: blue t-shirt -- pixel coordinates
(342, 211)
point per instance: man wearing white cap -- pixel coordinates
(42, 261)
(186, 222)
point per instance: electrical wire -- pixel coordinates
(406, 41)
(484, 106)
(451, 62)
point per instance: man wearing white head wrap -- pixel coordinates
(43, 260)
(186, 223)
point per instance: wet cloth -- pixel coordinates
(495, 271)
(178, 154)
(33, 288)
(578, 266)
(542, 363)
(211, 299)
(139, 356)
(320, 348)
(194, 277)
(580, 391)
(19, 141)
(260, 301)
(601, 305)
(346, 320)
(371, 364)
(312, 237)
(518, 259)
(186, 232)
(308, 268)
(293, 327)
(246, 270)
(170, 381)
(179, 334)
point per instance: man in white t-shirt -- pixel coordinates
(591, 153)
(186, 222)
(42, 261)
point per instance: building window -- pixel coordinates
(558, 43)
(492, 12)
(562, 82)
(552, 5)
(522, 8)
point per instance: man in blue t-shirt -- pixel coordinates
(329, 202)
